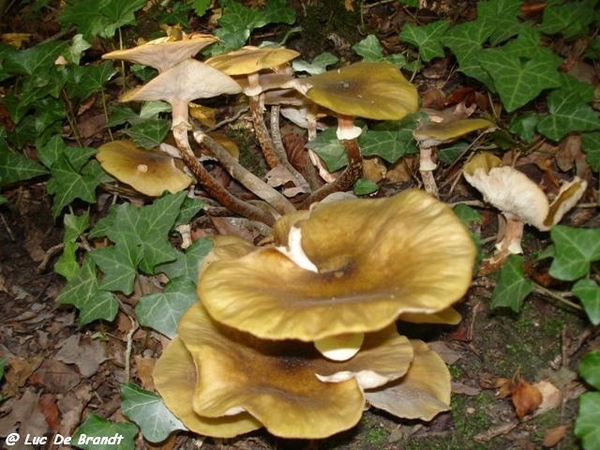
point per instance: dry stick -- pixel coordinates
(244, 176)
(212, 186)
(346, 180)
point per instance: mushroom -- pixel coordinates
(431, 134)
(212, 373)
(251, 62)
(369, 90)
(148, 172)
(188, 80)
(519, 199)
(163, 52)
(373, 260)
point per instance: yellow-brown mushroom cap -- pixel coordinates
(375, 260)
(163, 53)
(249, 60)
(422, 393)
(175, 378)
(149, 172)
(286, 385)
(367, 89)
(436, 133)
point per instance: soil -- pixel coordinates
(58, 389)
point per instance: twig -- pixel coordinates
(129, 347)
(559, 296)
(8, 230)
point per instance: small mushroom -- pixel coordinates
(163, 53)
(431, 134)
(369, 90)
(375, 259)
(149, 172)
(227, 375)
(519, 199)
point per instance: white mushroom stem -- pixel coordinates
(295, 252)
(426, 168)
(513, 234)
(244, 176)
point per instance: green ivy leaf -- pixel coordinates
(427, 38)
(189, 208)
(518, 82)
(329, 149)
(119, 266)
(35, 60)
(149, 412)
(575, 250)
(465, 41)
(525, 126)
(83, 292)
(570, 19)
(16, 167)
(86, 80)
(187, 264)
(369, 48)
(390, 140)
(512, 286)
(148, 133)
(527, 44)
(588, 418)
(589, 369)
(365, 187)
(449, 154)
(504, 15)
(201, 6)
(318, 65)
(588, 292)
(66, 265)
(590, 143)
(162, 311)
(118, 436)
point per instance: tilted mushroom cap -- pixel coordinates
(375, 259)
(250, 59)
(366, 89)
(422, 393)
(513, 193)
(164, 52)
(175, 378)
(185, 81)
(436, 133)
(286, 385)
(148, 172)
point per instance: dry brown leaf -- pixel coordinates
(526, 398)
(55, 376)
(71, 408)
(553, 436)
(25, 413)
(87, 356)
(145, 367)
(19, 370)
(49, 408)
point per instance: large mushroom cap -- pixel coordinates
(187, 80)
(164, 52)
(375, 259)
(286, 385)
(367, 89)
(249, 60)
(148, 172)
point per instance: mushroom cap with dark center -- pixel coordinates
(375, 260)
(149, 172)
(369, 90)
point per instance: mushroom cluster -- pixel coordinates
(298, 336)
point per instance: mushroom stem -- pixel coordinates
(211, 185)
(249, 180)
(346, 180)
(513, 234)
(426, 168)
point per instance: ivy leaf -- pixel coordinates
(119, 266)
(364, 186)
(568, 110)
(162, 311)
(519, 82)
(525, 126)
(504, 15)
(149, 412)
(589, 369)
(391, 140)
(369, 48)
(66, 265)
(16, 167)
(120, 436)
(427, 38)
(575, 249)
(588, 417)
(318, 65)
(187, 263)
(86, 80)
(588, 292)
(527, 44)
(570, 19)
(149, 133)
(590, 143)
(83, 292)
(35, 60)
(329, 149)
(512, 286)
(465, 41)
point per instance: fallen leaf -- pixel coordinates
(551, 396)
(55, 377)
(19, 370)
(526, 398)
(49, 408)
(553, 436)
(71, 408)
(87, 357)
(24, 413)
(145, 367)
